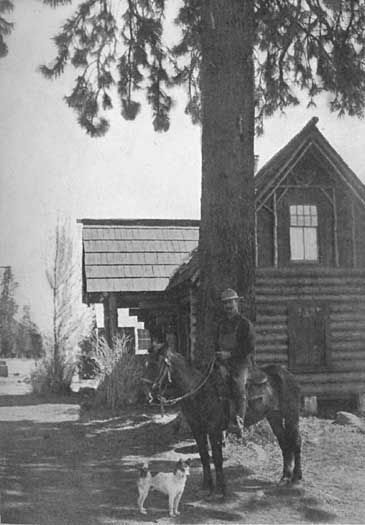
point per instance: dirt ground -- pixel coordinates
(61, 466)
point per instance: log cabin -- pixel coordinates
(310, 269)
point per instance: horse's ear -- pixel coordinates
(164, 350)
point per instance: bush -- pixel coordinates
(88, 367)
(53, 375)
(121, 373)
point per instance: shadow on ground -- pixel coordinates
(84, 471)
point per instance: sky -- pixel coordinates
(50, 168)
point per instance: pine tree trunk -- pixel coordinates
(227, 246)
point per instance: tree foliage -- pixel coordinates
(8, 310)
(6, 6)
(299, 45)
(29, 339)
(19, 338)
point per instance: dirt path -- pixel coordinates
(59, 468)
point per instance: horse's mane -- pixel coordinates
(185, 364)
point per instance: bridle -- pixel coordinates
(165, 370)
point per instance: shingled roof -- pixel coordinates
(122, 255)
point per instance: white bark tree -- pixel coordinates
(71, 320)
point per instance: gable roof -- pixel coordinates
(151, 255)
(134, 255)
(278, 167)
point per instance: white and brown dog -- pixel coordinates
(170, 483)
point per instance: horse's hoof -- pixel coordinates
(296, 482)
(210, 496)
(215, 496)
(284, 482)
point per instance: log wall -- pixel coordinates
(343, 290)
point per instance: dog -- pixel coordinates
(170, 483)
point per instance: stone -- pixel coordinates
(347, 418)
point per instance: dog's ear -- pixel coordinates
(178, 466)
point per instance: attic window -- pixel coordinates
(303, 232)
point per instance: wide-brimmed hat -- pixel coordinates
(228, 295)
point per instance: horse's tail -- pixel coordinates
(287, 387)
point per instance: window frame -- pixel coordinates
(300, 222)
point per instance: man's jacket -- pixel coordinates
(237, 336)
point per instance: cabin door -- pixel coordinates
(308, 336)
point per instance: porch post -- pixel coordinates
(110, 318)
(335, 239)
(275, 212)
(353, 232)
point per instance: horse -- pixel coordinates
(273, 393)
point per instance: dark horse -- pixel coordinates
(275, 395)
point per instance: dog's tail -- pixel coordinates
(144, 470)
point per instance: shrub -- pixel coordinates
(120, 384)
(53, 375)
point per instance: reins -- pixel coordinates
(171, 402)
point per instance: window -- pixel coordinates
(303, 232)
(144, 341)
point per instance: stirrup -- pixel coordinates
(236, 427)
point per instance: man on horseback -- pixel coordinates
(234, 349)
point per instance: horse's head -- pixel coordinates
(157, 370)
(164, 366)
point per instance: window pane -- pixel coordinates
(300, 209)
(314, 220)
(306, 209)
(143, 341)
(296, 244)
(293, 211)
(294, 221)
(307, 220)
(310, 244)
(301, 220)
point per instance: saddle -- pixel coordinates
(257, 382)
